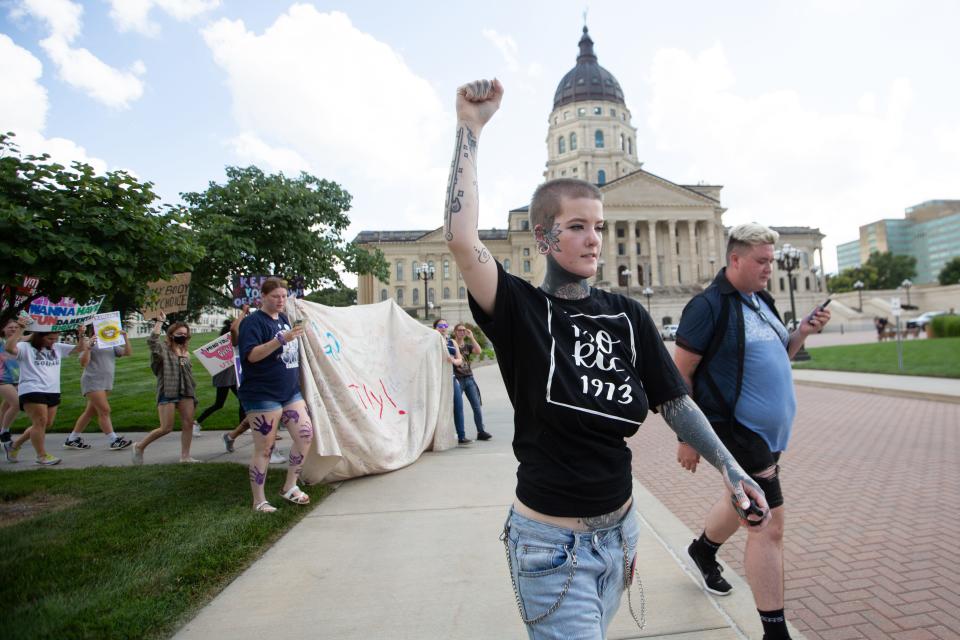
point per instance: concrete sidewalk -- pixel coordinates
(919, 387)
(415, 554)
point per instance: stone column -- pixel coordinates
(632, 252)
(693, 257)
(712, 248)
(671, 253)
(654, 266)
(610, 254)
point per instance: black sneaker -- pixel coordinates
(710, 571)
(484, 435)
(464, 441)
(75, 444)
(120, 443)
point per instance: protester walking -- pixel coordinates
(582, 367)
(176, 389)
(96, 383)
(463, 372)
(40, 358)
(270, 392)
(9, 378)
(225, 382)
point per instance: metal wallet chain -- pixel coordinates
(627, 580)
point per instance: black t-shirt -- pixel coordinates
(581, 375)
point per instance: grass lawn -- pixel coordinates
(128, 552)
(939, 357)
(133, 399)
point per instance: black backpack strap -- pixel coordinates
(703, 369)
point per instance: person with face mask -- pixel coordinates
(176, 389)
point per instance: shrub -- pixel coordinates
(945, 326)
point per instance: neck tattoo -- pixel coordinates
(562, 284)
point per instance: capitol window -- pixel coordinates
(566, 114)
(573, 142)
(399, 270)
(463, 293)
(613, 113)
(623, 142)
(598, 139)
(561, 145)
(446, 293)
(581, 111)
(526, 266)
(384, 294)
(506, 265)
(446, 269)
(601, 177)
(400, 297)
(630, 146)
(598, 111)
(526, 251)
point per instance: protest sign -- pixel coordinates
(167, 296)
(216, 355)
(107, 328)
(65, 315)
(19, 294)
(246, 289)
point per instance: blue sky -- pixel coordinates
(827, 113)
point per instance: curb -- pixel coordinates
(886, 391)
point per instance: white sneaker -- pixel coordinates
(276, 457)
(196, 430)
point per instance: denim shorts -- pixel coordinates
(569, 583)
(165, 400)
(265, 406)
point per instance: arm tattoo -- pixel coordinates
(462, 151)
(483, 256)
(689, 423)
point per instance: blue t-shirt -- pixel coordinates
(277, 377)
(767, 404)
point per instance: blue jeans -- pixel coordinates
(580, 575)
(458, 410)
(469, 387)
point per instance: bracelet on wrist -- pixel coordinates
(279, 338)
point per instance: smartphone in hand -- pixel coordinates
(820, 307)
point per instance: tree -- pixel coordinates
(257, 224)
(84, 235)
(843, 281)
(892, 269)
(334, 296)
(950, 274)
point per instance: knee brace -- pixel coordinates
(770, 483)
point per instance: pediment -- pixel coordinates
(645, 189)
(433, 236)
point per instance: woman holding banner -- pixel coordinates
(176, 389)
(39, 390)
(270, 393)
(9, 377)
(96, 383)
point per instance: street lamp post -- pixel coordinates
(858, 285)
(424, 272)
(647, 291)
(788, 259)
(906, 284)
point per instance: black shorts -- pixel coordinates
(49, 399)
(753, 454)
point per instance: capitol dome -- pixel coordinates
(587, 80)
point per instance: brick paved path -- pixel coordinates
(884, 560)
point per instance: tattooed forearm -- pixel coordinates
(689, 423)
(464, 153)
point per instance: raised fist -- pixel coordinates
(477, 101)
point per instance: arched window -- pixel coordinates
(384, 294)
(413, 268)
(463, 293)
(601, 177)
(598, 139)
(431, 296)
(573, 142)
(630, 146)
(399, 270)
(561, 145)
(416, 296)
(623, 142)
(430, 264)
(400, 297)
(446, 293)
(506, 265)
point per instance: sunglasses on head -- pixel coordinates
(442, 325)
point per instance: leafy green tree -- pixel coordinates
(84, 235)
(950, 274)
(892, 269)
(258, 224)
(843, 281)
(334, 296)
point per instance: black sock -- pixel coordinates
(774, 625)
(706, 546)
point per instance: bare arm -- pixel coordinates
(127, 346)
(476, 104)
(457, 359)
(687, 362)
(10, 346)
(235, 325)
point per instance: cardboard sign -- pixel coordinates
(107, 328)
(65, 315)
(168, 296)
(216, 355)
(246, 289)
(24, 291)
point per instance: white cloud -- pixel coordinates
(134, 15)
(314, 90)
(250, 149)
(785, 163)
(508, 48)
(24, 104)
(78, 66)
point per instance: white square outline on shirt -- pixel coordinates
(553, 348)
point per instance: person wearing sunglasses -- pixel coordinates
(176, 388)
(456, 359)
(463, 372)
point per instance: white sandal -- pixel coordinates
(296, 496)
(265, 507)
